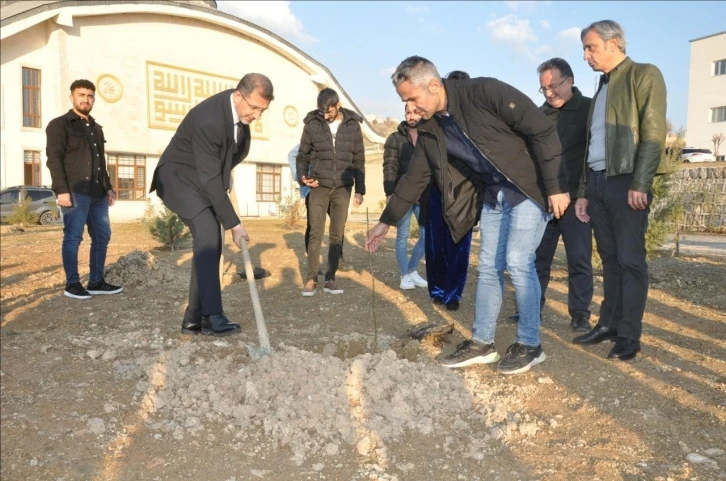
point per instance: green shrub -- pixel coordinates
(291, 207)
(667, 207)
(22, 214)
(168, 228)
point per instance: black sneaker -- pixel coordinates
(103, 287)
(471, 352)
(521, 358)
(76, 291)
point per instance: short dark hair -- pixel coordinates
(82, 84)
(558, 63)
(327, 98)
(256, 81)
(458, 75)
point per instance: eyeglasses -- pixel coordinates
(253, 107)
(551, 88)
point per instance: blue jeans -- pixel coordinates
(406, 265)
(91, 211)
(509, 239)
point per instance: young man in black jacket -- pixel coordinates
(396, 159)
(331, 161)
(77, 164)
(494, 155)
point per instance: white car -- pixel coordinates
(691, 154)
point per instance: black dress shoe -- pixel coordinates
(580, 324)
(597, 335)
(218, 325)
(438, 300)
(453, 305)
(192, 323)
(624, 349)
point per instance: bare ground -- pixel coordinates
(108, 389)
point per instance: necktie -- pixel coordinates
(240, 134)
(240, 137)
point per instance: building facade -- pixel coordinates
(151, 62)
(707, 92)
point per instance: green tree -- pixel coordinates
(168, 228)
(22, 214)
(667, 206)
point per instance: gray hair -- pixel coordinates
(415, 69)
(607, 30)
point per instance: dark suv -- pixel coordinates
(43, 203)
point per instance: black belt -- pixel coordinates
(598, 171)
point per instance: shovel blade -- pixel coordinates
(257, 353)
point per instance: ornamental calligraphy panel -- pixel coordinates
(173, 91)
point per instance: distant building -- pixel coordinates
(707, 91)
(151, 62)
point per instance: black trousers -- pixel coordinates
(205, 292)
(307, 227)
(577, 237)
(620, 237)
(321, 201)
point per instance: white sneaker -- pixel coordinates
(406, 283)
(417, 279)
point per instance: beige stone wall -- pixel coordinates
(704, 197)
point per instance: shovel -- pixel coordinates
(264, 349)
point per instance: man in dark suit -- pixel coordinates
(193, 178)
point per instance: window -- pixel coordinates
(719, 67)
(31, 97)
(10, 197)
(268, 182)
(36, 195)
(718, 114)
(128, 175)
(32, 167)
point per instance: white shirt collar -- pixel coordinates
(235, 117)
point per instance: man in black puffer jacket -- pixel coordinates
(489, 149)
(331, 161)
(396, 159)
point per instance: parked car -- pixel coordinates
(43, 202)
(691, 154)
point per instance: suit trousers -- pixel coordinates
(577, 237)
(620, 238)
(205, 292)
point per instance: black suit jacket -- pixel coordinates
(194, 171)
